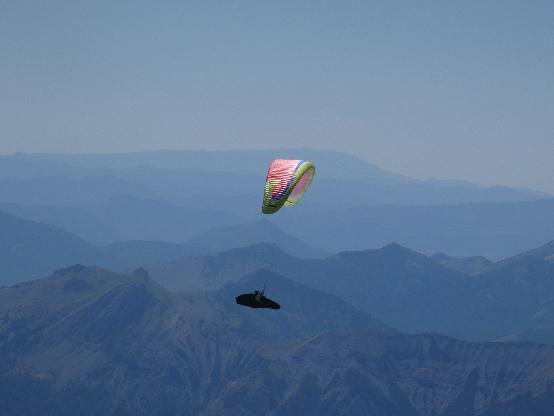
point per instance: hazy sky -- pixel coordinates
(441, 89)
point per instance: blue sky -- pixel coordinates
(428, 89)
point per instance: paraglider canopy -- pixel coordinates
(286, 182)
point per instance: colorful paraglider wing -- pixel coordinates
(286, 183)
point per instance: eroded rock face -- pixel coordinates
(361, 372)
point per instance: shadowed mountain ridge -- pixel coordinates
(401, 287)
(88, 340)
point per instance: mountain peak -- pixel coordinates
(247, 234)
(393, 250)
(318, 311)
(466, 265)
(259, 250)
(544, 252)
(81, 278)
(440, 257)
(75, 269)
(265, 275)
(395, 247)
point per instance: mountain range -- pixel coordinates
(177, 195)
(167, 172)
(492, 230)
(405, 289)
(30, 249)
(223, 238)
(89, 341)
(145, 253)
(469, 298)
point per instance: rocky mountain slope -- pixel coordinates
(89, 341)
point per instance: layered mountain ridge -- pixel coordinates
(405, 289)
(89, 339)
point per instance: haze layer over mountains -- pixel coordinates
(177, 195)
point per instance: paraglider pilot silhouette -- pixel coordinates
(257, 300)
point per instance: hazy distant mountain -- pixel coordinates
(466, 265)
(345, 176)
(30, 249)
(91, 342)
(262, 231)
(137, 218)
(78, 221)
(404, 289)
(335, 165)
(81, 192)
(23, 165)
(491, 230)
(486, 229)
(216, 270)
(128, 211)
(126, 254)
(175, 195)
(544, 252)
